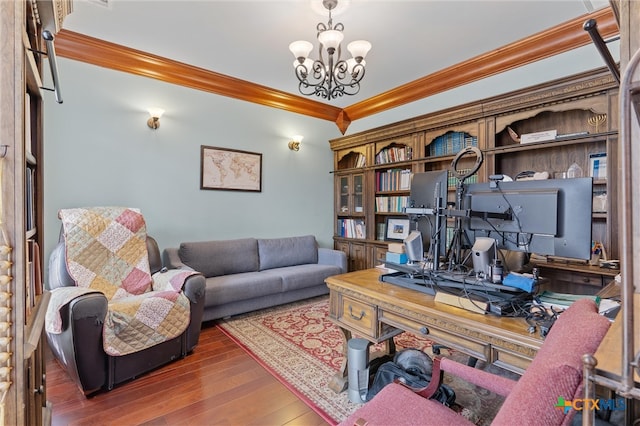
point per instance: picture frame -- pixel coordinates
(397, 228)
(598, 165)
(229, 169)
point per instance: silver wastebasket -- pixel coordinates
(358, 369)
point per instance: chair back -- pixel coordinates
(555, 374)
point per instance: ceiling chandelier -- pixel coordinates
(329, 76)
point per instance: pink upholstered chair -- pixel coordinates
(556, 371)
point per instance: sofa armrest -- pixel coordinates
(171, 259)
(194, 289)
(332, 257)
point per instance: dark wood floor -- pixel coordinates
(218, 384)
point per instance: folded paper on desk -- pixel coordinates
(520, 281)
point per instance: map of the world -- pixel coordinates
(231, 170)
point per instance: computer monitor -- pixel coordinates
(548, 217)
(429, 191)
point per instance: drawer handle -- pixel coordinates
(424, 330)
(355, 317)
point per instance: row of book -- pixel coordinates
(451, 143)
(351, 228)
(393, 180)
(393, 154)
(452, 178)
(391, 204)
(361, 161)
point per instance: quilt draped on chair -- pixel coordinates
(106, 252)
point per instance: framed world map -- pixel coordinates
(230, 169)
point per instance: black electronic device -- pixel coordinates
(549, 217)
(428, 196)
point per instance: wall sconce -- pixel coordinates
(294, 143)
(154, 121)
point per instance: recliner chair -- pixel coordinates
(79, 345)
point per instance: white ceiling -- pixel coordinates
(249, 39)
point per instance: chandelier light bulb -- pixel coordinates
(359, 49)
(330, 39)
(301, 49)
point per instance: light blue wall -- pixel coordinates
(99, 151)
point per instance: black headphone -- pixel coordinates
(468, 150)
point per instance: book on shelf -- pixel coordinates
(451, 143)
(352, 228)
(394, 154)
(27, 124)
(37, 269)
(386, 204)
(30, 198)
(393, 180)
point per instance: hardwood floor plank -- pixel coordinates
(218, 384)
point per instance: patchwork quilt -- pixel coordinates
(106, 252)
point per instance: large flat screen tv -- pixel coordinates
(548, 217)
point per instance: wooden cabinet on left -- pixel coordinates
(23, 301)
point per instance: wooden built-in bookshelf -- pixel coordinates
(581, 108)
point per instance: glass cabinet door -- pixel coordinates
(344, 194)
(358, 205)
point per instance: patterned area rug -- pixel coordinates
(303, 349)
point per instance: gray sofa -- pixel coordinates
(247, 274)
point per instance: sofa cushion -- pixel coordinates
(279, 252)
(302, 276)
(216, 258)
(232, 288)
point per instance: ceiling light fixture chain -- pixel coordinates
(329, 76)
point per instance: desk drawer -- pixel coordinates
(358, 315)
(454, 340)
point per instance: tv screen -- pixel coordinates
(549, 217)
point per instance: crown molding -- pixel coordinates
(80, 47)
(551, 42)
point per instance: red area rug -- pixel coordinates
(303, 349)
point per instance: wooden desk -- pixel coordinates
(608, 369)
(361, 304)
(609, 353)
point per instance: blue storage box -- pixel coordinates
(397, 257)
